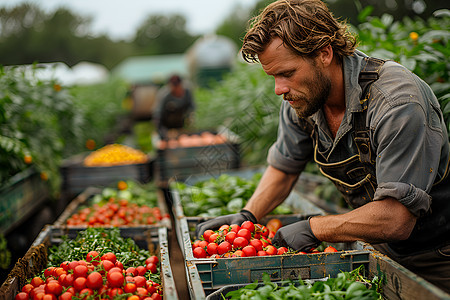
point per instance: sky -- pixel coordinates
(119, 19)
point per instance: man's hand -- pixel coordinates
(297, 236)
(214, 224)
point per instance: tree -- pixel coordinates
(162, 34)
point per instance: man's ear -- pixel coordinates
(325, 55)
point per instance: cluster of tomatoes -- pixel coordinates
(116, 213)
(246, 240)
(98, 277)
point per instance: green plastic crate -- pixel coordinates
(21, 196)
(154, 239)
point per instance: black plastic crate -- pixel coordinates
(76, 177)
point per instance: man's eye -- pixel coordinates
(287, 74)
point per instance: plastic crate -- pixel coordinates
(21, 196)
(399, 283)
(207, 275)
(77, 177)
(84, 198)
(183, 162)
(35, 260)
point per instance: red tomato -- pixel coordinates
(238, 253)
(271, 250)
(212, 248)
(80, 271)
(152, 268)
(115, 269)
(282, 250)
(119, 265)
(152, 259)
(151, 289)
(65, 265)
(156, 296)
(49, 297)
(131, 271)
(261, 253)
(37, 281)
(39, 295)
(234, 227)
(53, 287)
(249, 226)
(93, 256)
(21, 296)
(59, 271)
(79, 283)
(274, 224)
(240, 242)
(130, 288)
(224, 228)
(82, 262)
(73, 264)
(49, 271)
(141, 292)
(330, 249)
(133, 297)
(109, 256)
(230, 237)
(94, 281)
(199, 252)
(257, 244)
(213, 237)
(66, 296)
(27, 288)
(107, 265)
(203, 244)
(141, 270)
(139, 281)
(115, 279)
(224, 247)
(86, 292)
(245, 233)
(207, 234)
(114, 292)
(68, 280)
(249, 251)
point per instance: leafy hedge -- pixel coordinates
(42, 122)
(38, 121)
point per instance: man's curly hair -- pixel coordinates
(304, 26)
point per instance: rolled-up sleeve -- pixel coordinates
(416, 200)
(293, 147)
(408, 156)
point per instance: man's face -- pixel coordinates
(298, 79)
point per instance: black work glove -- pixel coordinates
(297, 236)
(214, 224)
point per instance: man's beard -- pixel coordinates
(319, 89)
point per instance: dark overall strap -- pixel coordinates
(361, 133)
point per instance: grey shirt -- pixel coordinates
(408, 134)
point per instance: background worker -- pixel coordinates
(174, 106)
(374, 128)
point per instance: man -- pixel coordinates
(374, 128)
(174, 105)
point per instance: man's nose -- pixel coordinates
(280, 87)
